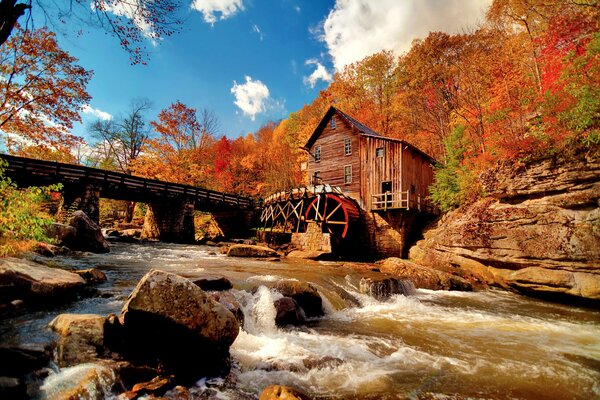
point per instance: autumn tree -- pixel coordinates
(180, 150)
(122, 141)
(131, 22)
(42, 90)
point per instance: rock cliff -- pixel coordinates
(537, 231)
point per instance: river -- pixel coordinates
(490, 344)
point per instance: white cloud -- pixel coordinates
(210, 8)
(320, 73)
(130, 9)
(297, 8)
(251, 97)
(257, 30)
(355, 29)
(96, 113)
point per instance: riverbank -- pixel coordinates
(443, 343)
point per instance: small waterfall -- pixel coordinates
(260, 312)
(383, 289)
(85, 381)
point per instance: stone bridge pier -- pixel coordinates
(85, 197)
(170, 221)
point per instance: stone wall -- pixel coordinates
(385, 234)
(312, 240)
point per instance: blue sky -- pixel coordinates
(251, 61)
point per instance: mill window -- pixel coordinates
(332, 123)
(317, 153)
(348, 146)
(348, 174)
(379, 152)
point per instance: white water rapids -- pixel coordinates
(488, 344)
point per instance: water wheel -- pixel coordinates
(335, 214)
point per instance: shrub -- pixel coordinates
(22, 219)
(454, 182)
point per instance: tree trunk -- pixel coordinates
(9, 14)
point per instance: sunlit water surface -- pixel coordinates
(489, 344)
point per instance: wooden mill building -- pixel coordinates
(379, 172)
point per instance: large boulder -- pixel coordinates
(305, 294)
(61, 233)
(228, 300)
(211, 282)
(91, 381)
(247, 250)
(535, 232)
(423, 277)
(89, 235)
(23, 279)
(80, 337)
(170, 321)
(384, 288)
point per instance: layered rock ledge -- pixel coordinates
(537, 231)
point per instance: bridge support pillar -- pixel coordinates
(171, 221)
(84, 197)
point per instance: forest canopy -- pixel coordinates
(525, 83)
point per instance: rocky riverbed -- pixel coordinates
(325, 329)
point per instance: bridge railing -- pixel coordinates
(56, 171)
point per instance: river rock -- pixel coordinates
(19, 361)
(288, 312)
(91, 381)
(535, 232)
(305, 294)
(155, 387)
(170, 321)
(28, 280)
(212, 282)
(80, 336)
(228, 300)
(12, 388)
(50, 250)
(384, 288)
(135, 233)
(309, 255)
(89, 235)
(423, 277)
(247, 250)
(280, 392)
(61, 233)
(91, 275)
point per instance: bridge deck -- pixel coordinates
(116, 185)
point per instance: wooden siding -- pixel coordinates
(334, 159)
(403, 166)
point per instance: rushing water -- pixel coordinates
(490, 344)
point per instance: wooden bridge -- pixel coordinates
(116, 185)
(84, 186)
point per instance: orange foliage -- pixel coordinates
(42, 92)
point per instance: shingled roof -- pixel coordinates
(361, 128)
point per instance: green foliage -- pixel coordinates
(453, 181)
(21, 216)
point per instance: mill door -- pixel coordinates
(386, 188)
